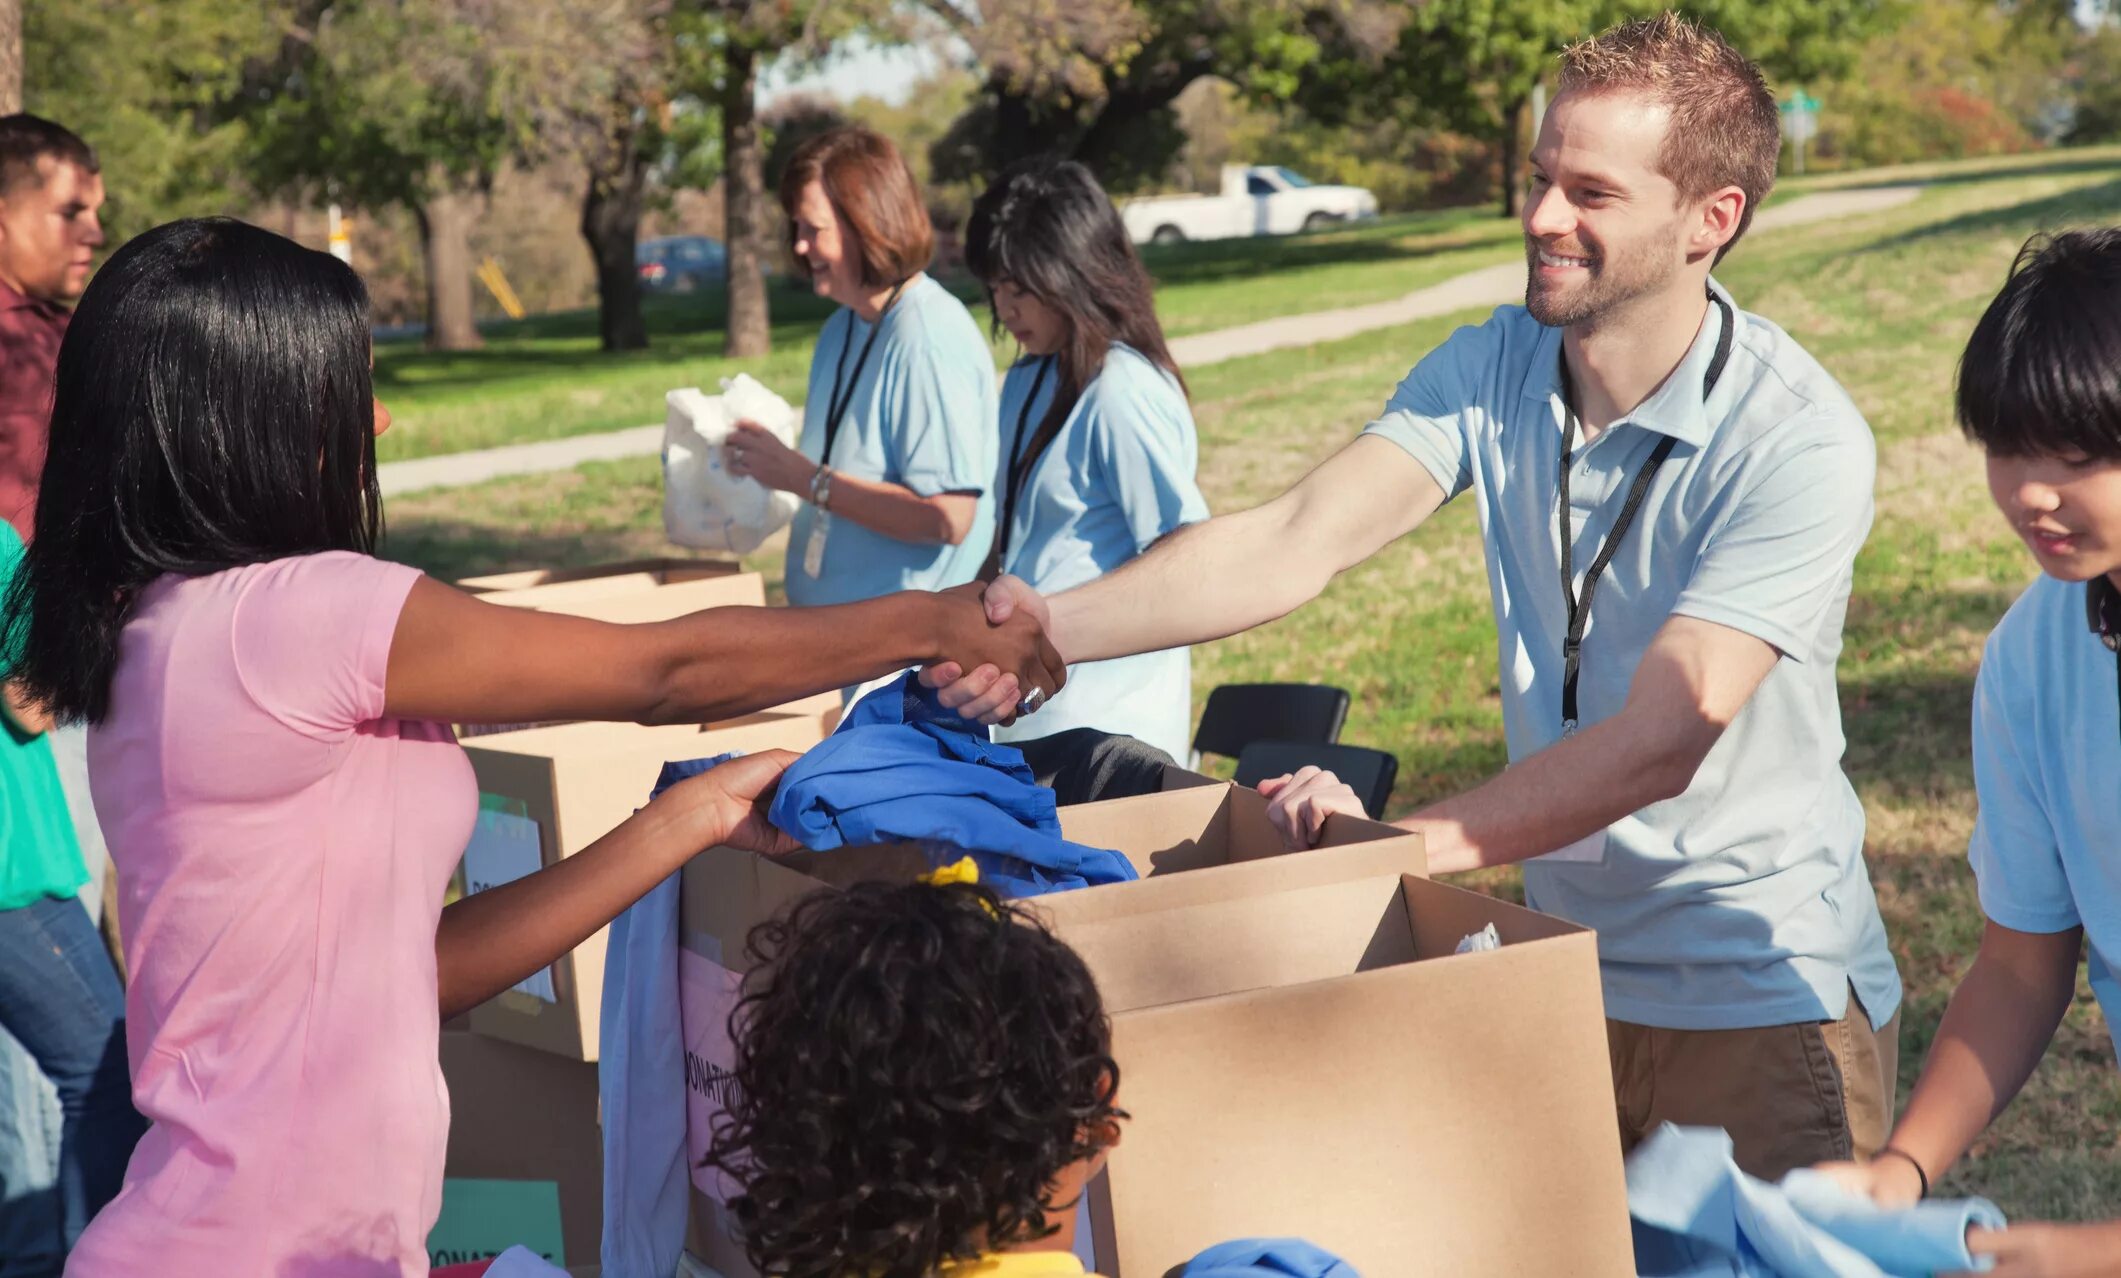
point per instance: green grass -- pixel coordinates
(1885, 302)
(544, 378)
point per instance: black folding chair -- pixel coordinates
(1237, 714)
(1370, 773)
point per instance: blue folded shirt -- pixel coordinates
(901, 768)
(1259, 1257)
(1697, 1215)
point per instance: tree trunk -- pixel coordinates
(10, 56)
(445, 237)
(1107, 132)
(1513, 125)
(750, 330)
(611, 222)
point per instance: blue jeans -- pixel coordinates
(61, 1000)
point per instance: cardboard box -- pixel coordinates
(1208, 838)
(659, 594)
(525, 1161)
(1321, 1063)
(549, 792)
(643, 590)
(641, 572)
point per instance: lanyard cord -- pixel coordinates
(1580, 608)
(1020, 465)
(835, 406)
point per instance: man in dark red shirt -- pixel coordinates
(50, 190)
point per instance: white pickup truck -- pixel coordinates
(1256, 199)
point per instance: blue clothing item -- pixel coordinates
(2046, 752)
(1695, 1214)
(921, 415)
(1118, 476)
(901, 768)
(1257, 1257)
(30, 1124)
(1745, 901)
(60, 997)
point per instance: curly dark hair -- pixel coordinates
(915, 1067)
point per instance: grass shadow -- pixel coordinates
(2101, 203)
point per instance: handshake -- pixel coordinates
(996, 659)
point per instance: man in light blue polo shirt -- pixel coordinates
(1667, 657)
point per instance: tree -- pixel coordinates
(144, 85)
(419, 103)
(616, 127)
(10, 56)
(720, 46)
(2097, 114)
(1096, 79)
(1475, 63)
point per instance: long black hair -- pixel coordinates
(2041, 375)
(915, 1068)
(213, 408)
(1047, 227)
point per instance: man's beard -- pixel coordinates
(1612, 281)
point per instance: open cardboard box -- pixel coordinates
(1321, 1063)
(1197, 838)
(546, 793)
(525, 1164)
(616, 578)
(633, 593)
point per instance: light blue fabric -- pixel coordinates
(641, 1089)
(903, 769)
(922, 416)
(1744, 901)
(1259, 1257)
(1118, 476)
(1696, 1214)
(2047, 755)
(31, 1242)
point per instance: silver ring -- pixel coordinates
(1031, 703)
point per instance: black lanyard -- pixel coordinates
(1019, 465)
(1580, 609)
(2100, 600)
(835, 405)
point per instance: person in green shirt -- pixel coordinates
(59, 996)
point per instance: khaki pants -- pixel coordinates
(1789, 1095)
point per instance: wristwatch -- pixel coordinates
(821, 487)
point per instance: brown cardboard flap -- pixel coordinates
(1164, 833)
(1207, 948)
(1213, 948)
(520, 1114)
(639, 598)
(1427, 1118)
(658, 570)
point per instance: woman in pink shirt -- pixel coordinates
(271, 762)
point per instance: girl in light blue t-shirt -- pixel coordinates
(1097, 442)
(2038, 391)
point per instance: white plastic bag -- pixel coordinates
(704, 506)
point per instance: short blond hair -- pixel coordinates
(1724, 128)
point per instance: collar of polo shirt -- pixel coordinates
(2102, 610)
(1677, 408)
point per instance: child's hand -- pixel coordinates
(731, 799)
(2050, 1251)
(1889, 1182)
(1298, 805)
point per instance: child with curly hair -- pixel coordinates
(924, 1085)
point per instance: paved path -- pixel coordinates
(1487, 287)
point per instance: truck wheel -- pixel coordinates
(1320, 221)
(1168, 234)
